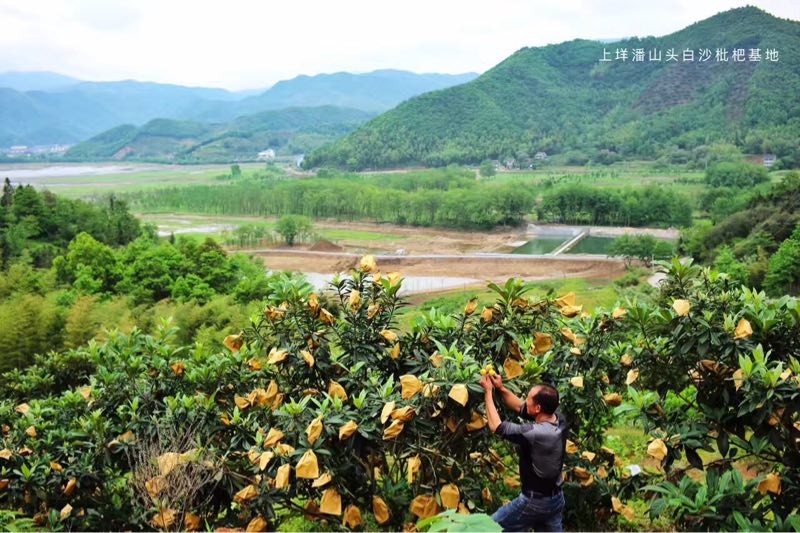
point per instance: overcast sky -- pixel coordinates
(239, 44)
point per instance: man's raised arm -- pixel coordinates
(509, 398)
(492, 416)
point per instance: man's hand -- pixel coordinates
(486, 383)
(497, 381)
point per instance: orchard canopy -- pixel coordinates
(323, 410)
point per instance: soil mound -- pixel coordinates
(324, 245)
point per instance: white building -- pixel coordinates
(266, 155)
(18, 150)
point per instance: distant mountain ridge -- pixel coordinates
(285, 131)
(561, 99)
(84, 109)
(64, 110)
(374, 91)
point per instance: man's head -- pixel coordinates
(541, 399)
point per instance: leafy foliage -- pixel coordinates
(642, 247)
(738, 175)
(275, 379)
(149, 271)
(749, 232)
(39, 225)
(783, 274)
(733, 355)
(292, 226)
(95, 287)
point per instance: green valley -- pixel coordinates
(284, 132)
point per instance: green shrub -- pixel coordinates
(736, 175)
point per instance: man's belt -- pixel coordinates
(530, 493)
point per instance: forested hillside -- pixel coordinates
(37, 226)
(562, 100)
(79, 111)
(753, 233)
(286, 131)
(69, 270)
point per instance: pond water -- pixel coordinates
(592, 245)
(164, 231)
(32, 173)
(546, 244)
(411, 284)
(541, 245)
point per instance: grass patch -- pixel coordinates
(357, 235)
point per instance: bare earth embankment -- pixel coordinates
(426, 252)
(482, 267)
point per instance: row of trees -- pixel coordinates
(439, 200)
(645, 248)
(450, 198)
(652, 206)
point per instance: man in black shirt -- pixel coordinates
(541, 447)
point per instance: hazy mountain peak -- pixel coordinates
(35, 80)
(82, 109)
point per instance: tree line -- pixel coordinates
(444, 199)
(651, 206)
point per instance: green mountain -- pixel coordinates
(286, 131)
(561, 99)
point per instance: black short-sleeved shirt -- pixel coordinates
(541, 448)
